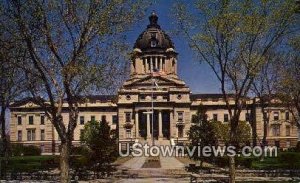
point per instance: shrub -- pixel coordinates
(20, 149)
(32, 150)
(79, 150)
(298, 147)
(245, 161)
(290, 158)
(17, 149)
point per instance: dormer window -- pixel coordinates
(153, 43)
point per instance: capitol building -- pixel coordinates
(153, 84)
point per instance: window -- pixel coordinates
(143, 97)
(42, 134)
(30, 120)
(288, 130)
(128, 133)
(154, 97)
(276, 130)
(215, 117)
(153, 43)
(287, 115)
(226, 119)
(114, 119)
(165, 97)
(19, 135)
(30, 134)
(81, 120)
(276, 116)
(42, 119)
(180, 116)
(128, 116)
(247, 116)
(93, 118)
(19, 120)
(128, 97)
(179, 97)
(103, 118)
(180, 131)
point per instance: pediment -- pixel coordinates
(160, 80)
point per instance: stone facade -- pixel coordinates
(153, 84)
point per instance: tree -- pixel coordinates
(264, 88)
(243, 134)
(201, 133)
(11, 82)
(69, 46)
(233, 37)
(102, 145)
(288, 87)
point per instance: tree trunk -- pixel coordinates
(233, 142)
(265, 132)
(4, 150)
(64, 162)
(231, 169)
(3, 131)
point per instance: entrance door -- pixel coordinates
(142, 124)
(166, 124)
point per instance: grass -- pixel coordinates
(31, 163)
(284, 160)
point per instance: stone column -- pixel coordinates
(164, 64)
(160, 63)
(160, 134)
(156, 62)
(171, 123)
(147, 66)
(131, 67)
(148, 127)
(175, 66)
(144, 65)
(151, 64)
(137, 134)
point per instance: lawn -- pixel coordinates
(32, 163)
(285, 160)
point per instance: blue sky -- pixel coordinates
(198, 77)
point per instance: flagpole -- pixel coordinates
(152, 109)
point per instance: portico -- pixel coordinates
(161, 124)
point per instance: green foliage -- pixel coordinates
(298, 147)
(32, 163)
(102, 145)
(243, 133)
(202, 132)
(20, 149)
(285, 160)
(245, 162)
(79, 150)
(290, 158)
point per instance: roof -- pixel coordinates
(153, 38)
(101, 98)
(208, 96)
